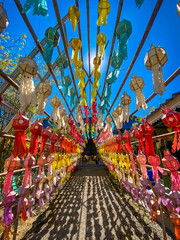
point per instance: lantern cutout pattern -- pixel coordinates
(118, 116)
(62, 63)
(55, 103)
(28, 69)
(66, 84)
(39, 7)
(73, 15)
(154, 60)
(136, 84)
(170, 162)
(52, 39)
(139, 3)
(76, 45)
(123, 32)
(99, 124)
(101, 41)
(178, 8)
(103, 10)
(45, 90)
(125, 101)
(3, 18)
(172, 119)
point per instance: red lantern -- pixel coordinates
(20, 123)
(172, 119)
(46, 133)
(127, 137)
(155, 162)
(137, 133)
(36, 129)
(170, 162)
(147, 130)
(141, 158)
(54, 137)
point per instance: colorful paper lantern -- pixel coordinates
(103, 11)
(62, 63)
(52, 39)
(101, 41)
(46, 133)
(3, 18)
(125, 101)
(36, 129)
(28, 69)
(154, 60)
(170, 162)
(39, 7)
(78, 65)
(55, 103)
(141, 158)
(123, 32)
(73, 15)
(137, 133)
(66, 84)
(76, 45)
(136, 84)
(45, 90)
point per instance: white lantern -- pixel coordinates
(108, 125)
(125, 101)
(3, 18)
(154, 60)
(45, 90)
(99, 124)
(118, 116)
(136, 84)
(55, 103)
(178, 8)
(28, 69)
(62, 113)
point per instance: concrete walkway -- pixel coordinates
(91, 207)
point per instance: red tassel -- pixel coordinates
(20, 144)
(45, 135)
(174, 146)
(36, 129)
(149, 146)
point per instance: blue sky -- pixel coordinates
(164, 32)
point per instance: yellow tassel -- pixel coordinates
(78, 65)
(73, 16)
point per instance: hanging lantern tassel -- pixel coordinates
(136, 84)
(76, 45)
(154, 60)
(62, 63)
(78, 65)
(96, 63)
(36, 129)
(45, 90)
(73, 15)
(103, 10)
(52, 39)
(101, 41)
(125, 101)
(123, 32)
(178, 8)
(139, 3)
(55, 103)
(66, 85)
(39, 7)
(28, 69)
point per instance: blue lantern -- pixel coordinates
(39, 7)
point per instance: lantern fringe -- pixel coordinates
(159, 86)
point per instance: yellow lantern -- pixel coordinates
(76, 45)
(97, 63)
(81, 83)
(73, 15)
(103, 11)
(101, 41)
(136, 84)
(78, 65)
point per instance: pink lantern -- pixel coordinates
(155, 162)
(141, 158)
(170, 162)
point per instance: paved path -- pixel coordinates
(90, 207)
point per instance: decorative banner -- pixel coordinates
(45, 90)
(101, 41)
(52, 39)
(3, 18)
(103, 10)
(154, 60)
(73, 15)
(139, 3)
(136, 84)
(39, 7)
(62, 63)
(123, 32)
(172, 119)
(66, 84)
(76, 45)
(55, 103)
(125, 101)
(28, 69)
